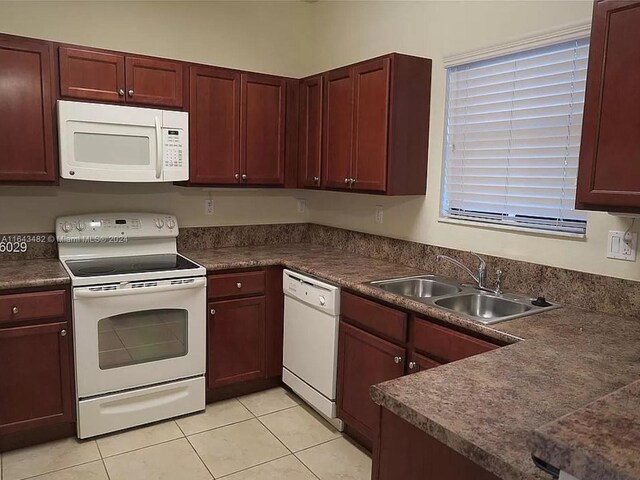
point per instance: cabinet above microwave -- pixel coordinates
(112, 143)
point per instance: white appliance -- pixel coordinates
(139, 320)
(114, 143)
(310, 355)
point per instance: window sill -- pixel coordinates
(513, 228)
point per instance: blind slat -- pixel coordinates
(513, 138)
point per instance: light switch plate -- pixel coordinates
(621, 249)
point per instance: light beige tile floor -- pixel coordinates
(265, 436)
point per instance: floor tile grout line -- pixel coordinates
(104, 465)
(317, 445)
(219, 426)
(60, 469)
(109, 457)
(201, 460)
(279, 410)
(274, 435)
(254, 466)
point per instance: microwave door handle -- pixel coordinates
(87, 293)
(158, 148)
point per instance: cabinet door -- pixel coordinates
(26, 106)
(91, 75)
(35, 378)
(338, 129)
(153, 81)
(263, 129)
(609, 173)
(371, 121)
(418, 363)
(310, 153)
(236, 341)
(364, 360)
(214, 119)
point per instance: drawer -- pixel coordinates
(445, 344)
(22, 307)
(375, 317)
(241, 284)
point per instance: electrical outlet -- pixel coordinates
(621, 249)
(379, 218)
(208, 207)
(302, 205)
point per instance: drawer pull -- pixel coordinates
(63, 333)
(212, 311)
(412, 365)
(397, 359)
(239, 285)
(14, 310)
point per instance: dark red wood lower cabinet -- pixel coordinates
(35, 377)
(236, 334)
(364, 360)
(402, 451)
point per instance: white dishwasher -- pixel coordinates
(310, 353)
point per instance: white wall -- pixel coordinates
(266, 37)
(346, 32)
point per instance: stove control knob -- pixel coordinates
(81, 226)
(67, 227)
(322, 300)
(159, 223)
(171, 223)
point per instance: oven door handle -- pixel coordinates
(88, 293)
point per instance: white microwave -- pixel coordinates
(113, 143)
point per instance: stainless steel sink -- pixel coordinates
(419, 287)
(448, 294)
(484, 306)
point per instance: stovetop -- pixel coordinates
(99, 267)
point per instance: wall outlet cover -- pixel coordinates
(302, 205)
(208, 207)
(620, 248)
(379, 218)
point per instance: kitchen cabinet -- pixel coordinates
(36, 378)
(364, 360)
(238, 127)
(244, 331)
(376, 126)
(404, 451)
(29, 152)
(310, 132)
(89, 74)
(609, 171)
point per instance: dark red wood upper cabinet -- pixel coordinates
(262, 121)
(35, 378)
(152, 81)
(338, 129)
(364, 360)
(609, 173)
(27, 112)
(214, 118)
(371, 117)
(91, 75)
(236, 345)
(310, 132)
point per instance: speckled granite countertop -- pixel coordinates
(601, 440)
(487, 406)
(32, 273)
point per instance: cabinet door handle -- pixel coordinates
(212, 311)
(352, 181)
(131, 93)
(121, 92)
(239, 285)
(397, 359)
(346, 180)
(237, 176)
(244, 176)
(316, 179)
(412, 365)
(14, 310)
(63, 333)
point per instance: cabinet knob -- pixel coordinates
(63, 333)
(346, 180)
(212, 311)
(121, 92)
(397, 359)
(244, 176)
(237, 176)
(412, 365)
(14, 310)
(352, 181)
(239, 285)
(131, 93)
(316, 179)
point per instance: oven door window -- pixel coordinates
(141, 337)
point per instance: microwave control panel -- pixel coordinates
(173, 148)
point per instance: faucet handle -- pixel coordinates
(499, 277)
(483, 263)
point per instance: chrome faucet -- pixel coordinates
(480, 278)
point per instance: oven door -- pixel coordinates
(138, 333)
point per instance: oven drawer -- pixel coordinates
(23, 307)
(241, 284)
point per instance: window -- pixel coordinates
(512, 139)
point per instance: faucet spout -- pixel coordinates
(478, 279)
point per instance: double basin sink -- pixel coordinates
(478, 305)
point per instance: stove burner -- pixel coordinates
(99, 270)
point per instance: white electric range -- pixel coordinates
(139, 320)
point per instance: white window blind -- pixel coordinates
(513, 137)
